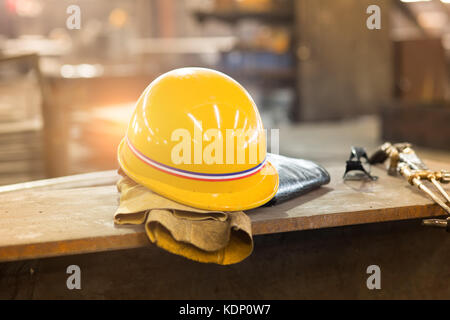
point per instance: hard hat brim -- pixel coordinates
(263, 187)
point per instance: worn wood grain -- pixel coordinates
(74, 215)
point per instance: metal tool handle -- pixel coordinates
(445, 176)
(439, 223)
(404, 160)
(378, 156)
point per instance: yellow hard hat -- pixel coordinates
(192, 138)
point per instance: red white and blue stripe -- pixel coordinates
(195, 175)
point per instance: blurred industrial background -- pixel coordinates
(313, 67)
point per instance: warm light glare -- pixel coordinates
(81, 71)
(27, 8)
(415, 0)
(433, 19)
(118, 17)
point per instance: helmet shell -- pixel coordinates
(196, 137)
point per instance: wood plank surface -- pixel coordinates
(73, 215)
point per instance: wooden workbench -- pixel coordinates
(74, 215)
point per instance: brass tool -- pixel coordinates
(404, 160)
(414, 178)
(440, 223)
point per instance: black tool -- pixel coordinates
(354, 163)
